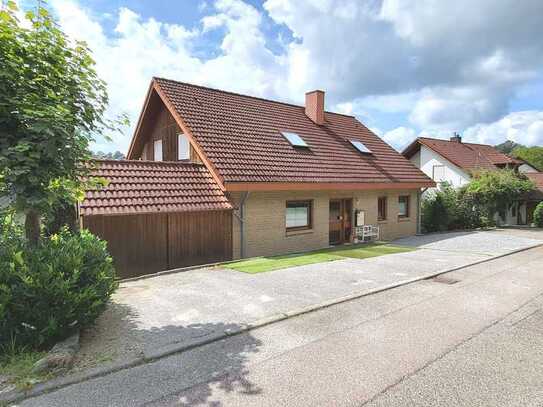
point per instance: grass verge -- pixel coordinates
(17, 366)
(363, 251)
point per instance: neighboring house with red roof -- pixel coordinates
(213, 175)
(454, 161)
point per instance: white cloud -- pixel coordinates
(142, 48)
(450, 64)
(521, 127)
(453, 109)
(446, 66)
(399, 137)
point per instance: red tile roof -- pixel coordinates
(495, 156)
(150, 187)
(537, 178)
(468, 156)
(240, 135)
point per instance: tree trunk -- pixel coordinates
(63, 215)
(32, 227)
(73, 220)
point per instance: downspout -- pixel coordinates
(419, 212)
(241, 218)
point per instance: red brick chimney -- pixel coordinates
(457, 138)
(314, 106)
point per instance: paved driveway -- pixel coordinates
(490, 243)
(155, 313)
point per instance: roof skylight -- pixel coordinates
(294, 139)
(361, 147)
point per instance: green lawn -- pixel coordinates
(263, 264)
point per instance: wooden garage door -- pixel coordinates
(144, 244)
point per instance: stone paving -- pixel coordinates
(157, 312)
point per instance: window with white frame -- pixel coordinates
(439, 173)
(298, 215)
(183, 147)
(158, 150)
(403, 206)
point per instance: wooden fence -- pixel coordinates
(147, 243)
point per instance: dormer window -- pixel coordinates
(183, 147)
(360, 147)
(294, 139)
(158, 150)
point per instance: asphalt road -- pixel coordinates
(473, 338)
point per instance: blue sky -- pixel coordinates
(403, 67)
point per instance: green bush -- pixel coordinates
(449, 209)
(538, 215)
(435, 213)
(48, 292)
(469, 213)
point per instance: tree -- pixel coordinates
(495, 191)
(117, 155)
(507, 146)
(532, 155)
(52, 103)
(538, 215)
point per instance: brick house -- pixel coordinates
(213, 175)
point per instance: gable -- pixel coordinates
(157, 123)
(440, 169)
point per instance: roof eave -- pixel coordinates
(411, 149)
(323, 186)
(140, 120)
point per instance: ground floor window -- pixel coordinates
(382, 208)
(299, 215)
(403, 206)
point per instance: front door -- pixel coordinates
(340, 221)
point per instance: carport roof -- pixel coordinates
(152, 187)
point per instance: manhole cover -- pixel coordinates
(444, 280)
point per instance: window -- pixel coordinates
(403, 206)
(438, 173)
(158, 150)
(294, 139)
(298, 215)
(382, 208)
(183, 147)
(360, 147)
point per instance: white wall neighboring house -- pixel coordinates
(527, 168)
(439, 168)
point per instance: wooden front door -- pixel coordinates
(340, 220)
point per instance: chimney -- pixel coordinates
(457, 138)
(314, 106)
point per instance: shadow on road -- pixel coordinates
(220, 365)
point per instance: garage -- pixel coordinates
(158, 216)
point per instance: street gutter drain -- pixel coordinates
(444, 280)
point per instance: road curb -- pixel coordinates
(55, 384)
